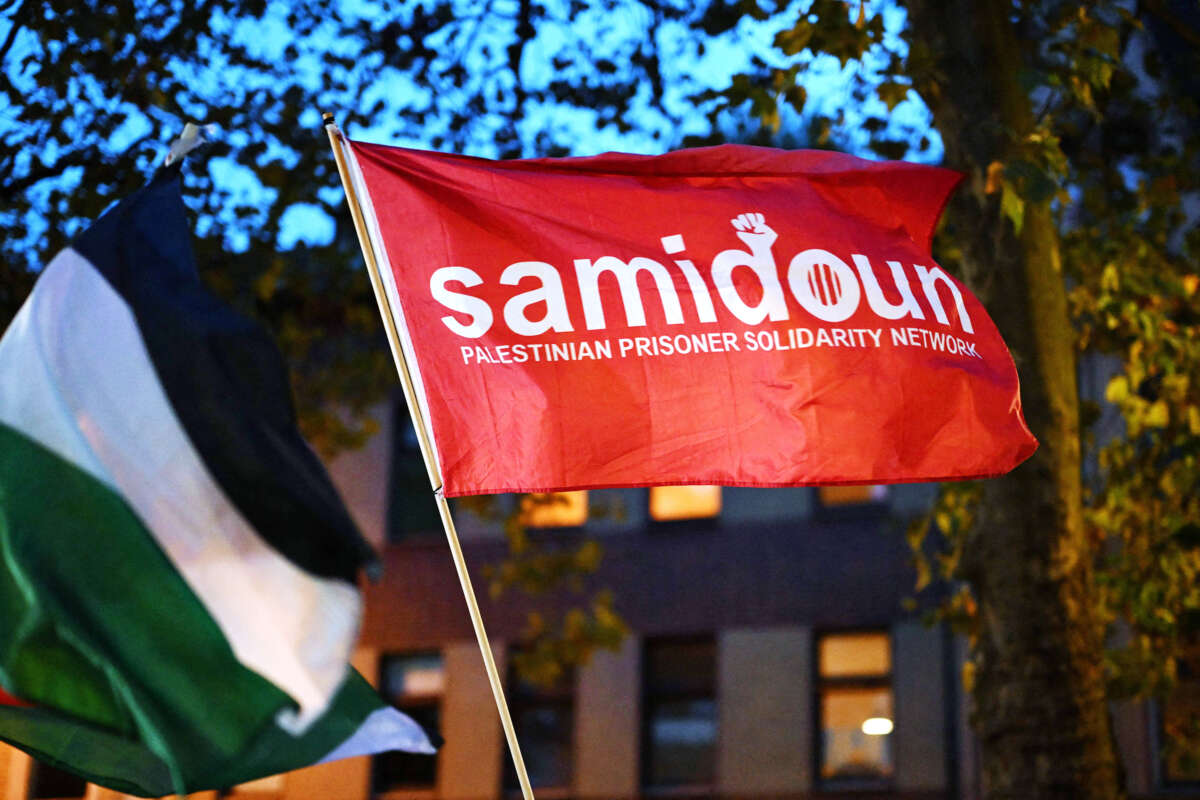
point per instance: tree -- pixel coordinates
(1073, 201)
(93, 90)
(1071, 226)
(1076, 127)
(1037, 645)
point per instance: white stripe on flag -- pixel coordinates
(82, 384)
(384, 729)
(393, 296)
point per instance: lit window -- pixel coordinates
(544, 720)
(855, 702)
(850, 495)
(270, 785)
(1180, 721)
(848, 655)
(413, 683)
(679, 713)
(554, 509)
(684, 502)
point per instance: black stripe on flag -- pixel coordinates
(226, 380)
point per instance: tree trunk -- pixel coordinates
(1038, 697)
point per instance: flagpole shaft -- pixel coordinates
(417, 413)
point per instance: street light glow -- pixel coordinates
(877, 726)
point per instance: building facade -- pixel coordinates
(770, 655)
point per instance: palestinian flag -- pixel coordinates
(178, 595)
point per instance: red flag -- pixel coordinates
(7, 699)
(730, 315)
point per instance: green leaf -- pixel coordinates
(796, 96)
(1158, 415)
(1013, 207)
(892, 93)
(792, 40)
(1117, 389)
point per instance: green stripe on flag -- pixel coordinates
(96, 754)
(81, 384)
(274, 750)
(97, 624)
(128, 766)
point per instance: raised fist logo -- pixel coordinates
(752, 229)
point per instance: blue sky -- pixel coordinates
(828, 85)
(685, 71)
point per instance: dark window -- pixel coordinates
(47, 782)
(1179, 718)
(413, 683)
(854, 702)
(412, 510)
(544, 720)
(679, 713)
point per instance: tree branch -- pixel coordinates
(1177, 25)
(14, 97)
(12, 32)
(16, 186)
(476, 24)
(524, 32)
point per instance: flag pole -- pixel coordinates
(418, 418)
